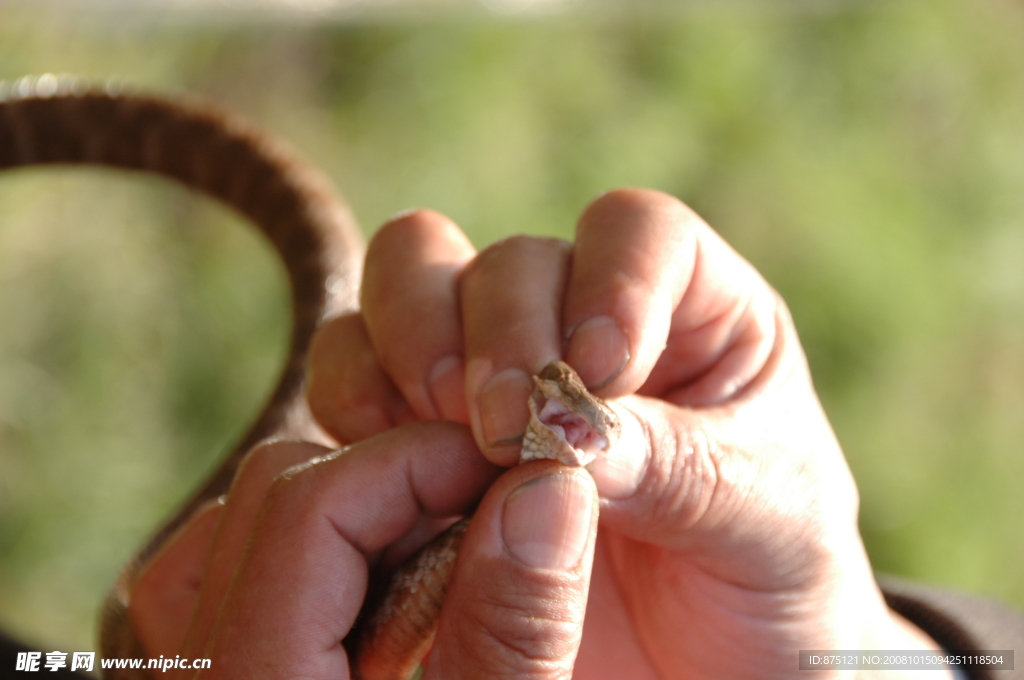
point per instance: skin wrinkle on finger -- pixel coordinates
(751, 343)
(714, 350)
(502, 618)
(718, 272)
(481, 656)
(695, 487)
(551, 626)
(415, 506)
(778, 362)
(748, 341)
(683, 477)
(693, 360)
(504, 648)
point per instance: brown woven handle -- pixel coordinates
(60, 120)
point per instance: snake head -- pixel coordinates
(567, 423)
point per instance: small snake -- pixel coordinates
(567, 424)
(49, 120)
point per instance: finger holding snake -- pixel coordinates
(297, 586)
(729, 535)
(196, 566)
(361, 383)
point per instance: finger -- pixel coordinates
(511, 305)
(516, 604)
(304, 576)
(742, 479)
(654, 287)
(612, 647)
(348, 392)
(255, 475)
(164, 596)
(410, 304)
(727, 514)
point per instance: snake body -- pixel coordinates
(567, 424)
(49, 120)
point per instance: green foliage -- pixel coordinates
(866, 158)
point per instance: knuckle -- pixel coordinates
(510, 253)
(269, 459)
(293, 492)
(409, 227)
(265, 461)
(691, 478)
(635, 203)
(389, 249)
(522, 633)
(412, 248)
(641, 208)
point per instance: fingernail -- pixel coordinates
(546, 523)
(503, 410)
(447, 382)
(599, 350)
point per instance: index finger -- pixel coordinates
(657, 299)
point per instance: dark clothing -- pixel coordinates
(960, 622)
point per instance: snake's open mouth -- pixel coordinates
(576, 431)
(555, 431)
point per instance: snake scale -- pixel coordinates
(50, 120)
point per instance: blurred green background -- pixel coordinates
(868, 157)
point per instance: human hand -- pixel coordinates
(287, 556)
(729, 516)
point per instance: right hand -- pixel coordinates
(729, 532)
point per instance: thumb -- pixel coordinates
(750, 481)
(517, 600)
